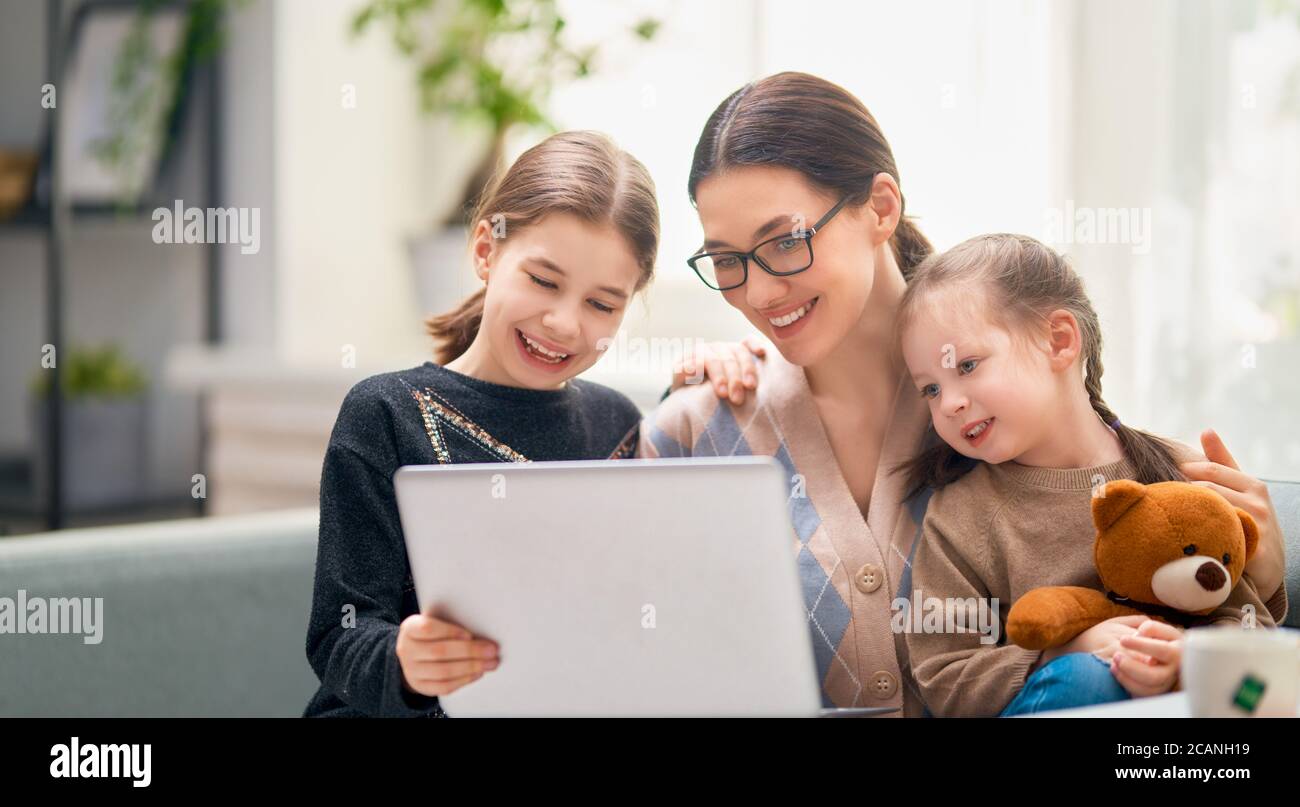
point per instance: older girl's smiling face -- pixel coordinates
(556, 290)
(741, 207)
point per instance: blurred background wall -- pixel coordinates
(1003, 116)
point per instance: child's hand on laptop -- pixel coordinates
(438, 657)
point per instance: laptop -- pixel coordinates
(663, 587)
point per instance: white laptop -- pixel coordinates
(633, 588)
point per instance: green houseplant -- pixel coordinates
(489, 65)
(492, 62)
(104, 418)
(103, 372)
(148, 90)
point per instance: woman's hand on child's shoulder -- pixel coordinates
(1219, 472)
(438, 657)
(728, 366)
(1148, 660)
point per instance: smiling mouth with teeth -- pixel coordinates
(539, 352)
(794, 316)
(979, 429)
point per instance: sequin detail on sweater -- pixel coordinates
(436, 411)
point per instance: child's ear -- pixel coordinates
(1064, 339)
(481, 249)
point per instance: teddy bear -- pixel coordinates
(1170, 550)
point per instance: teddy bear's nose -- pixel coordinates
(1210, 575)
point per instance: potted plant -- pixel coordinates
(149, 90)
(104, 415)
(489, 65)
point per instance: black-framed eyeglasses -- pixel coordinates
(786, 254)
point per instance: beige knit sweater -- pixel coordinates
(852, 568)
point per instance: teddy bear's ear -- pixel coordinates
(1115, 500)
(1251, 529)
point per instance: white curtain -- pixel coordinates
(1157, 143)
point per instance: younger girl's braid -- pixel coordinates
(1151, 456)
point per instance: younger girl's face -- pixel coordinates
(991, 397)
(555, 289)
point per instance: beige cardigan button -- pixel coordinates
(883, 684)
(869, 578)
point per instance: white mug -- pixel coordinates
(1242, 672)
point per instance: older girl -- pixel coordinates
(563, 241)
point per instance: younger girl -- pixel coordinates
(562, 242)
(1002, 342)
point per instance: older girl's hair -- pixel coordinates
(812, 126)
(1017, 282)
(581, 173)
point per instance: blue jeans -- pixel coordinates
(1065, 682)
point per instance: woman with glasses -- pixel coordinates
(799, 199)
(834, 403)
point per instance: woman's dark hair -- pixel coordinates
(1017, 282)
(814, 127)
(581, 173)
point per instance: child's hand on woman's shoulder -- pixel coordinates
(728, 366)
(438, 657)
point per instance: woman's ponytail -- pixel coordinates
(910, 246)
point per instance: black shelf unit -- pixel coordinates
(56, 219)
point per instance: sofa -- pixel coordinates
(202, 617)
(208, 617)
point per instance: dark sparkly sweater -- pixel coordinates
(422, 416)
